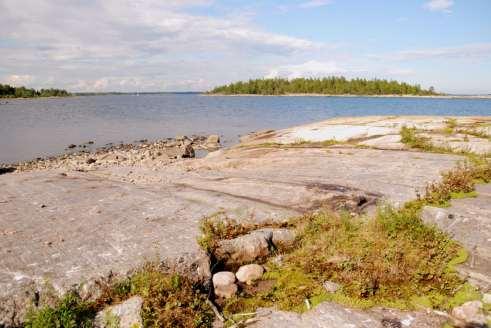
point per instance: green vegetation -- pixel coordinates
(169, 300)
(69, 312)
(7, 91)
(410, 138)
(392, 260)
(327, 86)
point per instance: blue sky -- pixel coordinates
(177, 45)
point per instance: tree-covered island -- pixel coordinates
(8, 91)
(325, 86)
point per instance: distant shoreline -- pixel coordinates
(76, 95)
(351, 96)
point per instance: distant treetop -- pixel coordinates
(7, 91)
(328, 86)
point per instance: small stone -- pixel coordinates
(331, 287)
(250, 272)
(224, 284)
(124, 315)
(469, 313)
(71, 146)
(223, 278)
(226, 291)
(91, 161)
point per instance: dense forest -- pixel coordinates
(327, 86)
(7, 91)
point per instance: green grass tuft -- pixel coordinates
(69, 312)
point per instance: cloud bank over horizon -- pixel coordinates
(182, 45)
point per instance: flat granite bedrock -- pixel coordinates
(66, 227)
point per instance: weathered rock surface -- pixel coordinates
(469, 314)
(224, 284)
(328, 315)
(250, 272)
(468, 221)
(132, 206)
(243, 249)
(254, 245)
(466, 133)
(124, 315)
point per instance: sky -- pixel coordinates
(194, 45)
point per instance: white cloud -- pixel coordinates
(18, 80)
(315, 3)
(439, 5)
(466, 52)
(310, 68)
(124, 44)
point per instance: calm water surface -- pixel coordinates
(32, 128)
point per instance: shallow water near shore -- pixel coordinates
(31, 128)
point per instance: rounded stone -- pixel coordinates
(224, 284)
(227, 291)
(223, 278)
(250, 272)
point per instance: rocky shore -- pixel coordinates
(230, 221)
(141, 153)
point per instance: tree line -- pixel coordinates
(328, 86)
(8, 91)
